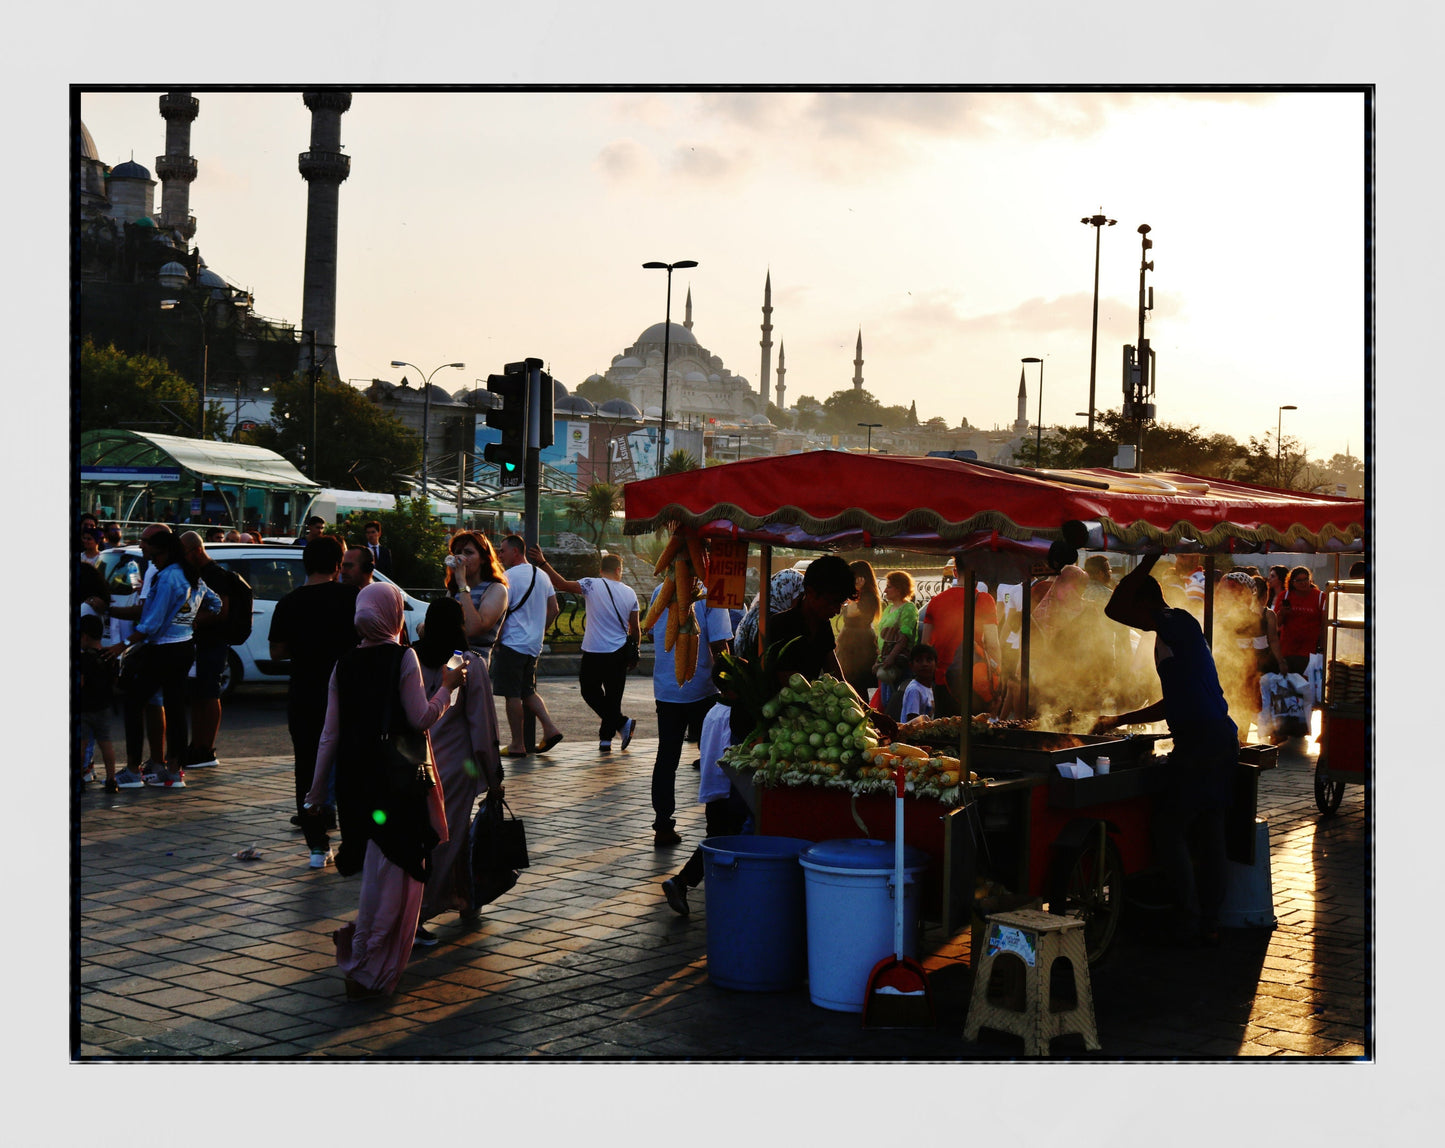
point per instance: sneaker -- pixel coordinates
(163, 778)
(627, 729)
(604, 747)
(320, 859)
(129, 779)
(424, 937)
(664, 837)
(201, 758)
(676, 893)
(112, 785)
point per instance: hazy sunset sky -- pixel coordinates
(485, 226)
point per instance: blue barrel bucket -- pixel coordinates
(756, 919)
(849, 896)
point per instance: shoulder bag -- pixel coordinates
(630, 651)
(498, 849)
(406, 773)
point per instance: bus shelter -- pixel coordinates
(133, 476)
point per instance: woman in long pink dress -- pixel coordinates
(386, 834)
(464, 745)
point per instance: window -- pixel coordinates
(270, 578)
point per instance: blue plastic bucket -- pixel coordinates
(756, 919)
(849, 897)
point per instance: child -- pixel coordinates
(917, 693)
(97, 696)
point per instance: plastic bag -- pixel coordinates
(1285, 705)
(1315, 674)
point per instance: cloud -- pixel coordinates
(1041, 316)
(699, 161)
(623, 160)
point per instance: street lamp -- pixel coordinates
(870, 427)
(1098, 223)
(171, 305)
(666, 345)
(1039, 435)
(426, 411)
(1279, 426)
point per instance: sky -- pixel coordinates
(487, 226)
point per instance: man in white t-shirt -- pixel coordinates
(532, 604)
(610, 638)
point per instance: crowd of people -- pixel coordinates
(394, 742)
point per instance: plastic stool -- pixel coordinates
(1036, 940)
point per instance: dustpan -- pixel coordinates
(898, 994)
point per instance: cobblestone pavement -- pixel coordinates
(185, 952)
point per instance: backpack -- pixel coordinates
(238, 616)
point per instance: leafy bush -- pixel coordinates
(417, 539)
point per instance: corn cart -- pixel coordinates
(1343, 757)
(1013, 829)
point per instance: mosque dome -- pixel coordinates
(627, 361)
(208, 278)
(596, 378)
(657, 332)
(695, 377)
(145, 221)
(759, 421)
(575, 405)
(652, 413)
(714, 378)
(128, 170)
(87, 144)
(173, 275)
(558, 391)
(620, 407)
(649, 375)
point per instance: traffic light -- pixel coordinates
(511, 420)
(544, 410)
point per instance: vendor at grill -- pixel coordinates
(1205, 756)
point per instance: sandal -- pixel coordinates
(549, 743)
(512, 752)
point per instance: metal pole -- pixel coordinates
(1094, 336)
(666, 347)
(532, 469)
(425, 429)
(1039, 430)
(315, 375)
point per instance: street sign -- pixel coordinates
(135, 474)
(727, 568)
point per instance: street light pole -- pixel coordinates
(1098, 223)
(870, 427)
(1278, 444)
(426, 413)
(1039, 430)
(666, 347)
(171, 304)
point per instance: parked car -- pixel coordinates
(273, 572)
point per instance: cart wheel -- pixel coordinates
(1328, 792)
(1096, 896)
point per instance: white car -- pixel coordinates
(272, 571)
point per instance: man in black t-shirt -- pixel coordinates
(312, 627)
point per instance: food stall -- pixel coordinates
(987, 801)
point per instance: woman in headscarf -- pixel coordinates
(857, 641)
(784, 589)
(464, 744)
(476, 580)
(376, 696)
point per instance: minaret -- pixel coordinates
(782, 370)
(177, 168)
(1021, 424)
(687, 321)
(767, 339)
(858, 363)
(323, 167)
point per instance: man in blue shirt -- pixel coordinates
(1205, 756)
(681, 706)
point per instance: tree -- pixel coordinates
(936, 423)
(679, 461)
(416, 537)
(134, 392)
(778, 416)
(594, 509)
(358, 445)
(599, 391)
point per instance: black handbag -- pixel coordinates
(630, 651)
(498, 850)
(404, 767)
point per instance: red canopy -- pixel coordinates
(834, 499)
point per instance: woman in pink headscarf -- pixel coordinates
(387, 834)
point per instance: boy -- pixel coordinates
(917, 694)
(97, 696)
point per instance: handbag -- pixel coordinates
(498, 850)
(406, 773)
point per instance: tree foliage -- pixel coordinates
(416, 537)
(594, 509)
(599, 391)
(134, 392)
(359, 446)
(679, 461)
